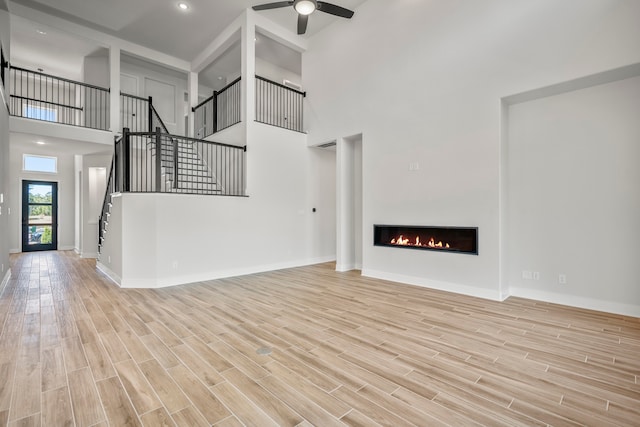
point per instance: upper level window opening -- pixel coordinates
(33, 163)
(40, 113)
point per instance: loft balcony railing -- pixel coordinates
(220, 111)
(157, 162)
(40, 96)
(279, 105)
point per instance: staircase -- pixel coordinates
(193, 174)
(186, 166)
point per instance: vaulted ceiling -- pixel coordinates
(161, 25)
(157, 24)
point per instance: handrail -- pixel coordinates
(133, 96)
(304, 94)
(157, 117)
(279, 105)
(193, 109)
(217, 92)
(219, 111)
(158, 162)
(61, 78)
(24, 98)
(188, 138)
(40, 96)
(109, 190)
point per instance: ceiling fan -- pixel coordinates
(306, 8)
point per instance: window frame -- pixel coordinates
(25, 156)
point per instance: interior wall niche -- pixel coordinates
(572, 199)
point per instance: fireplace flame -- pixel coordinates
(402, 241)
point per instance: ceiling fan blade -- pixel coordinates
(302, 23)
(275, 5)
(332, 9)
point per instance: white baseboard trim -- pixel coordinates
(490, 294)
(577, 301)
(91, 255)
(213, 275)
(14, 251)
(5, 280)
(345, 267)
(109, 273)
(66, 248)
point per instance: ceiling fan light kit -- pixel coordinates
(304, 8)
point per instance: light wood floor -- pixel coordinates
(77, 350)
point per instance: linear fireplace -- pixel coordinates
(446, 239)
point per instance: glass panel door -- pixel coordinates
(39, 216)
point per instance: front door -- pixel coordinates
(39, 216)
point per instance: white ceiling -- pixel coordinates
(160, 25)
(157, 24)
(29, 144)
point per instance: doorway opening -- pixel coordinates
(39, 216)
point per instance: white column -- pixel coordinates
(114, 84)
(248, 88)
(192, 82)
(248, 71)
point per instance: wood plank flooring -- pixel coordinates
(342, 350)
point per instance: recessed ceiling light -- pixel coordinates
(183, 6)
(41, 32)
(40, 142)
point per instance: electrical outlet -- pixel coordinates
(526, 274)
(562, 279)
(536, 275)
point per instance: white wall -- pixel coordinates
(66, 194)
(427, 89)
(166, 86)
(574, 196)
(4, 152)
(171, 239)
(95, 171)
(96, 69)
(273, 72)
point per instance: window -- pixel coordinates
(33, 163)
(40, 113)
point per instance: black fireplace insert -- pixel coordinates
(446, 239)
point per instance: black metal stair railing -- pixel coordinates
(112, 187)
(279, 105)
(40, 96)
(157, 162)
(163, 163)
(220, 111)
